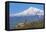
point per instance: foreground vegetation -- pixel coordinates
(34, 24)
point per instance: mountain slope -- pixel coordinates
(29, 11)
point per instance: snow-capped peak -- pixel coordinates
(29, 11)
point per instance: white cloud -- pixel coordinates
(29, 11)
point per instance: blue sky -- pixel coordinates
(18, 7)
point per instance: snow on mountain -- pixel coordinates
(29, 11)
